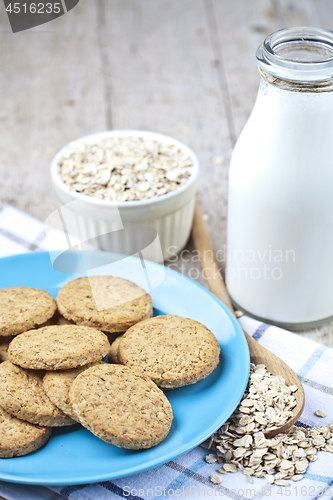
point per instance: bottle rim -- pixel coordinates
(298, 54)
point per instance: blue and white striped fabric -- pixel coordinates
(188, 475)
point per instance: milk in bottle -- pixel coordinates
(280, 220)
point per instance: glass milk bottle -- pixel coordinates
(280, 220)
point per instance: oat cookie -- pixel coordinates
(113, 353)
(57, 383)
(121, 406)
(18, 438)
(23, 396)
(173, 351)
(104, 302)
(58, 347)
(23, 308)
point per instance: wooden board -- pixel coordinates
(52, 93)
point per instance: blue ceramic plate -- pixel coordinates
(74, 455)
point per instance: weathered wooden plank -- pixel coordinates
(52, 88)
(306, 13)
(242, 26)
(324, 9)
(164, 79)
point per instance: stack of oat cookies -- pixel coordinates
(52, 371)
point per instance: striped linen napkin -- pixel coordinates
(188, 476)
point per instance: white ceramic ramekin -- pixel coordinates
(156, 228)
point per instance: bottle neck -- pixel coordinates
(298, 59)
(315, 87)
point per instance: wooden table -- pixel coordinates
(185, 68)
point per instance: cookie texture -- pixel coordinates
(19, 438)
(121, 406)
(57, 383)
(22, 395)
(173, 351)
(58, 347)
(113, 352)
(23, 308)
(105, 302)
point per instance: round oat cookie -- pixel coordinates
(23, 308)
(57, 383)
(18, 438)
(173, 351)
(113, 352)
(104, 302)
(58, 347)
(121, 406)
(23, 396)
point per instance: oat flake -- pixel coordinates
(215, 479)
(320, 413)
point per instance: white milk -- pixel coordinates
(280, 221)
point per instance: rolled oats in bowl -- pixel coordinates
(129, 168)
(127, 191)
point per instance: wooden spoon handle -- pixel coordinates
(212, 272)
(208, 262)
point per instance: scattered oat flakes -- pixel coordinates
(318, 440)
(320, 413)
(211, 459)
(239, 452)
(125, 168)
(270, 478)
(241, 444)
(230, 467)
(282, 482)
(214, 478)
(248, 471)
(298, 477)
(267, 403)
